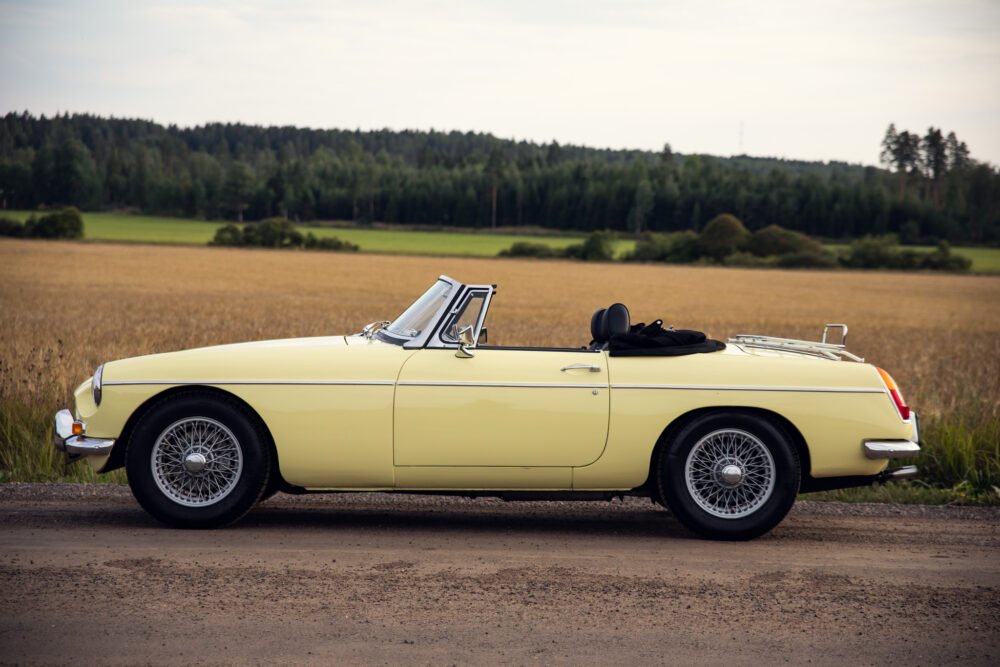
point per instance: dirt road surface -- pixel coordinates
(87, 578)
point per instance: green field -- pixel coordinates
(152, 229)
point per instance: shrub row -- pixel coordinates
(725, 240)
(883, 252)
(64, 224)
(597, 247)
(277, 233)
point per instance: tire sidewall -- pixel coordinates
(673, 483)
(138, 461)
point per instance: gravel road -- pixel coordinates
(87, 578)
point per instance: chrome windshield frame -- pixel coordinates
(420, 340)
(468, 291)
(431, 335)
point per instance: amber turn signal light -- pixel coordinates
(895, 394)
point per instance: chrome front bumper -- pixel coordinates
(65, 441)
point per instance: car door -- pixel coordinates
(501, 407)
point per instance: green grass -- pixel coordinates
(122, 227)
(152, 229)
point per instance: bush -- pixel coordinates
(529, 249)
(597, 247)
(229, 235)
(807, 259)
(329, 243)
(871, 252)
(276, 233)
(10, 227)
(63, 224)
(882, 252)
(747, 259)
(272, 233)
(775, 240)
(941, 259)
(723, 235)
(676, 248)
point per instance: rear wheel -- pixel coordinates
(730, 475)
(197, 460)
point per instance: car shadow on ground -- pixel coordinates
(507, 519)
(470, 517)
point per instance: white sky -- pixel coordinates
(807, 79)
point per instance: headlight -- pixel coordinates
(95, 386)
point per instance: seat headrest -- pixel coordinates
(595, 326)
(616, 321)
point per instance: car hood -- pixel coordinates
(290, 359)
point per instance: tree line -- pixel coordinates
(931, 190)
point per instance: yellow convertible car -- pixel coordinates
(725, 435)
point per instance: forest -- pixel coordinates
(929, 188)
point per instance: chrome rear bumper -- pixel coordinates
(890, 449)
(65, 441)
(894, 449)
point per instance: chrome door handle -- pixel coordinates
(581, 367)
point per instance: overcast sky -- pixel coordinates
(791, 78)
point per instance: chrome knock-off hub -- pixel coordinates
(195, 462)
(731, 475)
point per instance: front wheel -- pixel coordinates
(729, 475)
(197, 460)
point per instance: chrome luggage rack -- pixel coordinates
(820, 348)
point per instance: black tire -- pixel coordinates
(201, 409)
(759, 505)
(273, 486)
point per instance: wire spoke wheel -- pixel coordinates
(730, 473)
(196, 461)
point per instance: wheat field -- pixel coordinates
(69, 306)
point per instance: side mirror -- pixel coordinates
(465, 343)
(482, 337)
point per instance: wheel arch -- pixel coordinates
(779, 420)
(117, 458)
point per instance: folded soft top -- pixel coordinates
(654, 341)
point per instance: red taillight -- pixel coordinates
(897, 398)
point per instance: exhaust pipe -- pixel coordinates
(906, 472)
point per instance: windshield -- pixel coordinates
(419, 315)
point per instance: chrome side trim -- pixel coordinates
(890, 449)
(350, 383)
(521, 385)
(706, 387)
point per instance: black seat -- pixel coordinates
(616, 320)
(607, 322)
(597, 337)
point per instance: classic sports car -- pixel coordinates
(723, 435)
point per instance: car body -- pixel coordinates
(418, 405)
